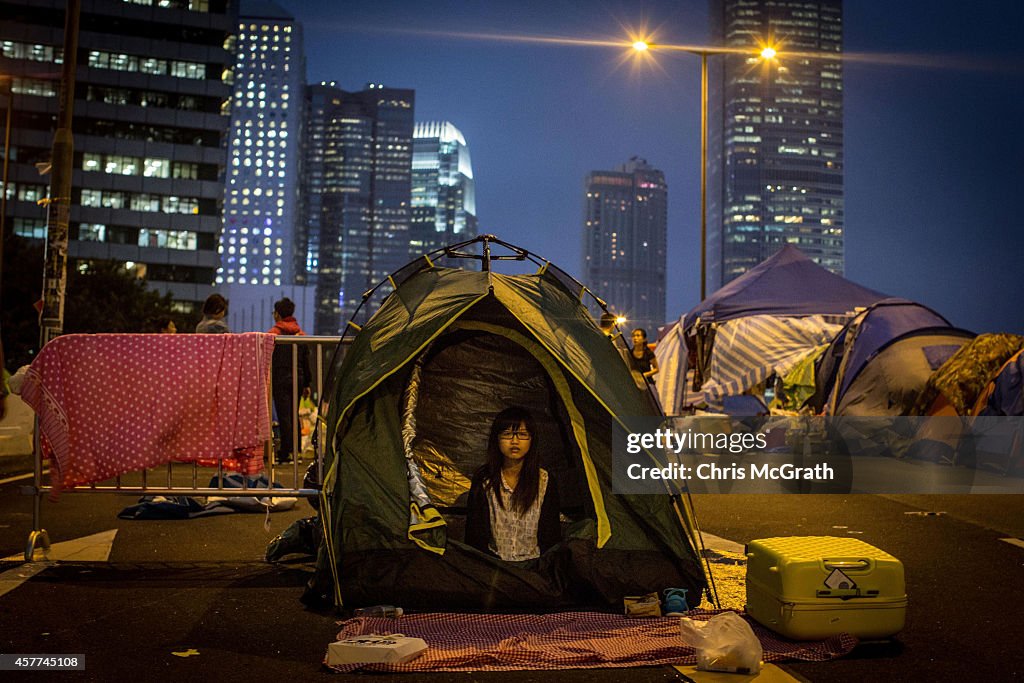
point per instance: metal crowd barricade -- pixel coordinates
(323, 348)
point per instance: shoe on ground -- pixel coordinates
(674, 604)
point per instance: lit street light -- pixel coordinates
(766, 53)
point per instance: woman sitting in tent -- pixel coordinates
(513, 508)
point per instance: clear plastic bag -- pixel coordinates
(723, 643)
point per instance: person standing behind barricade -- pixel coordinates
(164, 325)
(215, 308)
(281, 376)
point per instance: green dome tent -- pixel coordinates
(405, 420)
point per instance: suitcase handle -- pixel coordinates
(847, 564)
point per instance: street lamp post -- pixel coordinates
(59, 210)
(7, 155)
(704, 52)
(703, 174)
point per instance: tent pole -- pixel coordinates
(712, 588)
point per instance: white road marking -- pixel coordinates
(712, 542)
(12, 578)
(1013, 541)
(95, 548)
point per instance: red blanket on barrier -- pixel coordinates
(115, 403)
(569, 640)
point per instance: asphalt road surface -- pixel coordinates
(202, 585)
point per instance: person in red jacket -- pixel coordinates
(281, 376)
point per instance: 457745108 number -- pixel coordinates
(10, 662)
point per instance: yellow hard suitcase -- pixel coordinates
(813, 587)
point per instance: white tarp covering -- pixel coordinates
(670, 382)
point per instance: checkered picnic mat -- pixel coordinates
(567, 640)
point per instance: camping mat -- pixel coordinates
(568, 640)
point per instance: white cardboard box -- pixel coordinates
(372, 649)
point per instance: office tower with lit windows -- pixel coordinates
(624, 234)
(443, 190)
(150, 121)
(316, 101)
(358, 176)
(775, 171)
(262, 253)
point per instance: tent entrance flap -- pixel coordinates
(454, 409)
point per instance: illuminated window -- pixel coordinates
(32, 52)
(168, 239)
(156, 168)
(30, 227)
(92, 232)
(33, 86)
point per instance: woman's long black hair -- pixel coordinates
(529, 477)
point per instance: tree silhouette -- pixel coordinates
(22, 287)
(104, 297)
(101, 297)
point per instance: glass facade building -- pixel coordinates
(624, 241)
(151, 108)
(775, 171)
(443, 189)
(261, 213)
(358, 179)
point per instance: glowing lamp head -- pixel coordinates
(621, 320)
(768, 53)
(640, 46)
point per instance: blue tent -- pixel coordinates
(787, 284)
(895, 346)
(883, 323)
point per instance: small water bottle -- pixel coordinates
(378, 611)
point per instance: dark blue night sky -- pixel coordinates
(933, 142)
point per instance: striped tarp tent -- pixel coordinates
(750, 350)
(763, 322)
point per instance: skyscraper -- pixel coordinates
(361, 172)
(776, 136)
(262, 250)
(261, 199)
(625, 226)
(443, 190)
(150, 118)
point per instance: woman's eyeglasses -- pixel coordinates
(509, 435)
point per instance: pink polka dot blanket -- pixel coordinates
(109, 404)
(567, 640)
